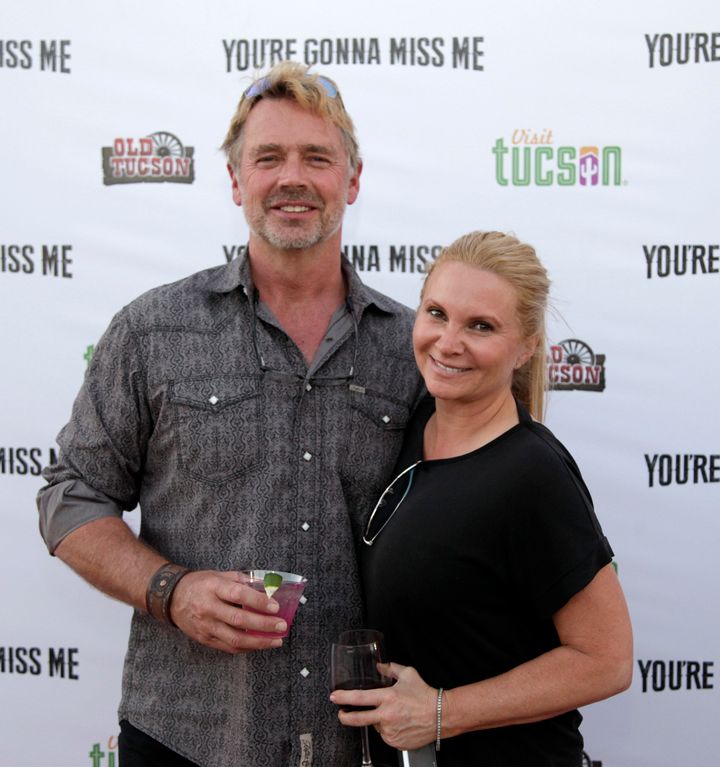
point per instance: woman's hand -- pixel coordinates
(404, 714)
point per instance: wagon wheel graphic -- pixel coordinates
(167, 145)
(577, 352)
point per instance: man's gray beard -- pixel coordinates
(290, 241)
(300, 240)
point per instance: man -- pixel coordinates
(254, 412)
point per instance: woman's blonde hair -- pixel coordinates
(516, 262)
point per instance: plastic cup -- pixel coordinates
(287, 596)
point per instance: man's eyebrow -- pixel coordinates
(319, 149)
(262, 148)
(305, 148)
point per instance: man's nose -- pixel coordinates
(293, 172)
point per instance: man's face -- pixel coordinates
(294, 178)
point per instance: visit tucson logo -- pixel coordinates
(159, 157)
(534, 158)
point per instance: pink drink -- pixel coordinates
(287, 596)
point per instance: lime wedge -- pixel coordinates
(272, 582)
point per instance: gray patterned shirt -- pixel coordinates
(233, 468)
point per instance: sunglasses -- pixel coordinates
(372, 532)
(265, 83)
(296, 377)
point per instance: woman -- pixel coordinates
(485, 565)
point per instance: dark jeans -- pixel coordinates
(136, 749)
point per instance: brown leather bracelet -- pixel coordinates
(160, 590)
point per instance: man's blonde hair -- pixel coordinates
(292, 81)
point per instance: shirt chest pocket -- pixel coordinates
(218, 426)
(377, 424)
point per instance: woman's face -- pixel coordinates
(467, 337)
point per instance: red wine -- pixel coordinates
(363, 683)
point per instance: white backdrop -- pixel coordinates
(434, 89)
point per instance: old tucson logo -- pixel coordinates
(159, 157)
(572, 365)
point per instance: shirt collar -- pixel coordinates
(236, 274)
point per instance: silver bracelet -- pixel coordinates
(438, 726)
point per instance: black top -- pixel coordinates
(466, 575)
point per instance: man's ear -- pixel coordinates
(354, 184)
(237, 199)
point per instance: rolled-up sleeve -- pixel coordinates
(102, 448)
(68, 505)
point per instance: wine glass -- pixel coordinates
(354, 666)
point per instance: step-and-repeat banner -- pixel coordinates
(588, 129)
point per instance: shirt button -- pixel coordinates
(386, 419)
(308, 387)
(307, 456)
(303, 599)
(304, 673)
(213, 400)
(305, 526)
